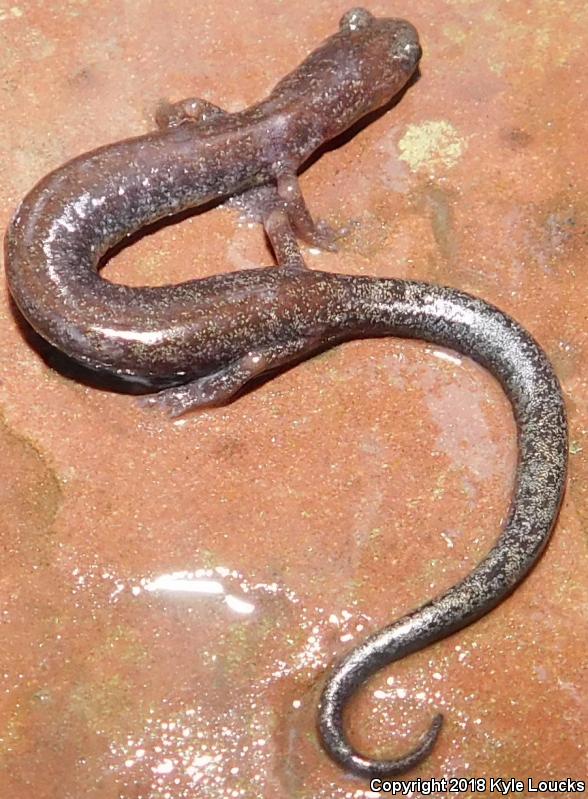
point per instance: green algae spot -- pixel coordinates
(207, 559)
(432, 146)
(104, 704)
(123, 644)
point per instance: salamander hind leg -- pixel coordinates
(213, 389)
(221, 386)
(192, 109)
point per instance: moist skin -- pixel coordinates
(205, 339)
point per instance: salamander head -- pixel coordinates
(375, 57)
(389, 49)
(355, 71)
(396, 40)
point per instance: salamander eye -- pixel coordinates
(356, 19)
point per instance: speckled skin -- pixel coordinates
(77, 213)
(207, 338)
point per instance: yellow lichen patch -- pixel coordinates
(10, 13)
(432, 146)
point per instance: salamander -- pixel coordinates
(199, 342)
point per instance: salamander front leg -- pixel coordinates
(318, 234)
(283, 240)
(192, 109)
(221, 386)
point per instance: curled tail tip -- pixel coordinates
(350, 760)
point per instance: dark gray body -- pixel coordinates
(208, 337)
